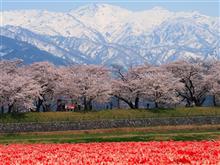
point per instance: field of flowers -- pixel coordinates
(204, 152)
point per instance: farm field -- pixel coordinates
(131, 153)
(109, 114)
(157, 133)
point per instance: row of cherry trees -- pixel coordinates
(36, 86)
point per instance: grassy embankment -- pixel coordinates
(108, 115)
(160, 133)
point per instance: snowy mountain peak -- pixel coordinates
(97, 9)
(86, 10)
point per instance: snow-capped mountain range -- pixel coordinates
(106, 34)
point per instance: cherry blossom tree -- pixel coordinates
(148, 82)
(7, 68)
(90, 83)
(48, 77)
(214, 81)
(17, 91)
(126, 85)
(67, 88)
(196, 84)
(160, 86)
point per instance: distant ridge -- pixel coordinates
(107, 34)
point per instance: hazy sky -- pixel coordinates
(208, 7)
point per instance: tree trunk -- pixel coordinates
(199, 102)
(131, 105)
(136, 104)
(118, 103)
(111, 105)
(85, 104)
(90, 104)
(44, 108)
(10, 108)
(2, 109)
(188, 104)
(47, 107)
(156, 105)
(214, 100)
(196, 103)
(39, 104)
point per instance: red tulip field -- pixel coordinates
(171, 152)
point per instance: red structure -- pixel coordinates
(70, 107)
